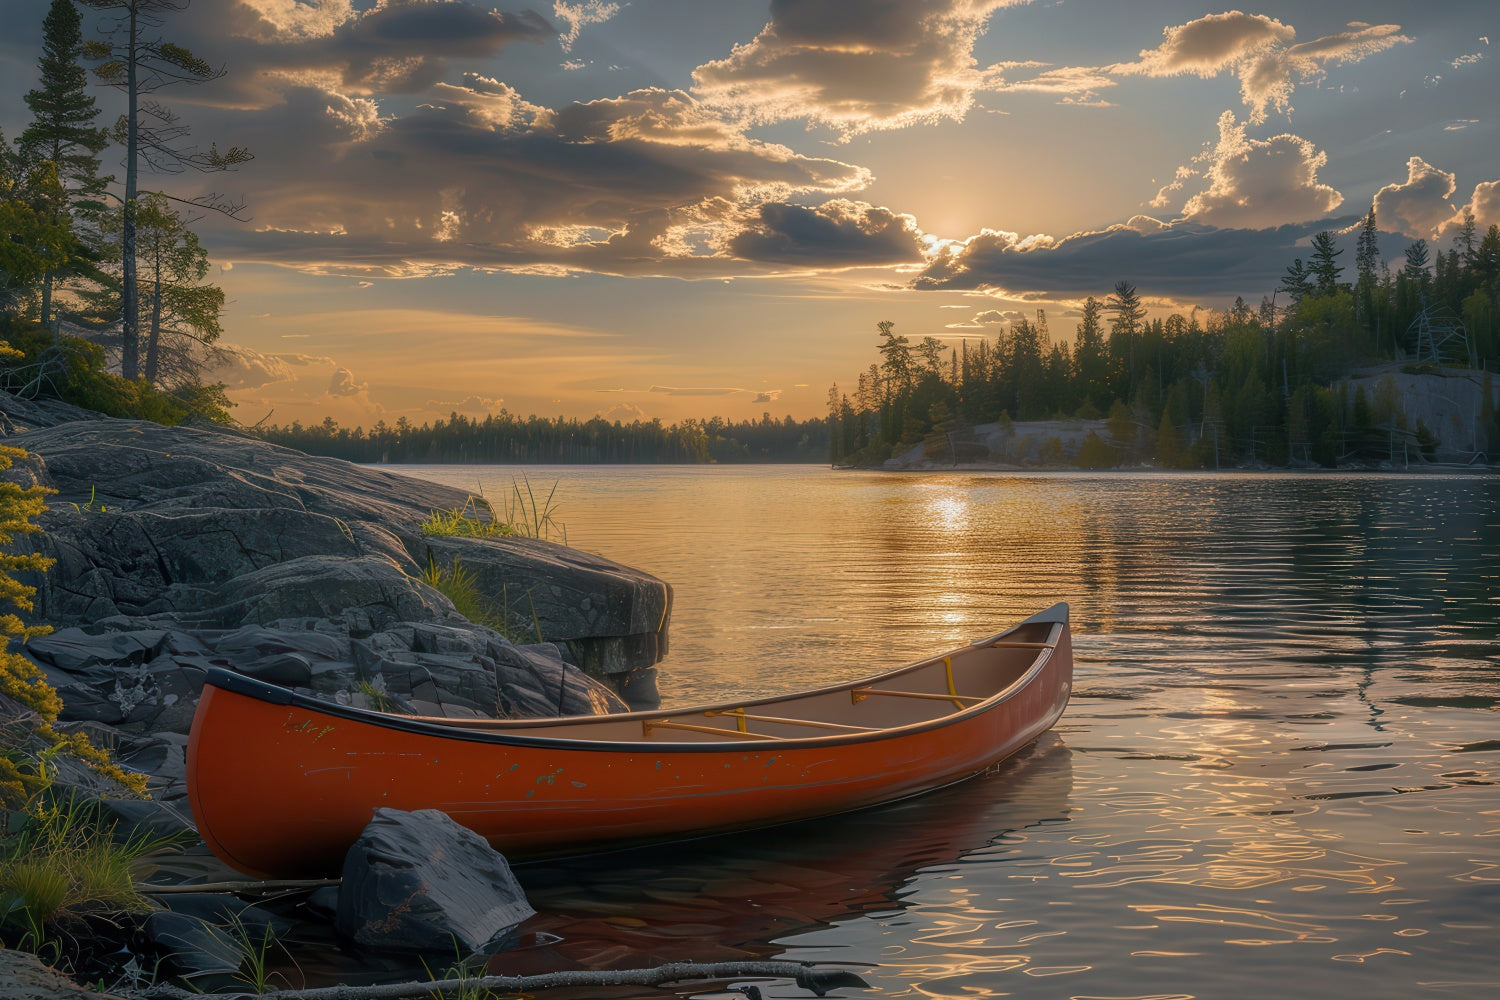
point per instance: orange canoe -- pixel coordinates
(281, 784)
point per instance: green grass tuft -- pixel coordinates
(475, 519)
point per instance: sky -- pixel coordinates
(684, 208)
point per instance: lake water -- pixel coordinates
(1276, 776)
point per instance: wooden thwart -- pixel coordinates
(743, 717)
(860, 694)
(648, 724)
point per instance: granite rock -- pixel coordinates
(418, 881)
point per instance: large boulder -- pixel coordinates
(206, 528)
(420, 882)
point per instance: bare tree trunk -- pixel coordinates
(153, 341)
(130, 346)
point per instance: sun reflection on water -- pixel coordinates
(1279, 761)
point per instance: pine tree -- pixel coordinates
(1296, 282)
(1366, 260)
(1125, 328)
(63, 132)
(1321, 266)
(136, 60)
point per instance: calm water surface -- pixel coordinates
(1276, 776)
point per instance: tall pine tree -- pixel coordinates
(63, 132)
(137, 60)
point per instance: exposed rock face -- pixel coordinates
(218, 530)
(182, 547)
(417, 881)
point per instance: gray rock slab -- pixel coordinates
(420, 882)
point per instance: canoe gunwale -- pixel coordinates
(1057, 617)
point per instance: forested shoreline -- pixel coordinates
(1246, 386)
(505, 439)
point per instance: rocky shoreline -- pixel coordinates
(179, 548)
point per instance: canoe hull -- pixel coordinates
(283, 789)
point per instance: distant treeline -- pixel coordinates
(504, 438)
(1249, 385)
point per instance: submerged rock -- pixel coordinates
(418, 881)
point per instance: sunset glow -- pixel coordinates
(670, 209)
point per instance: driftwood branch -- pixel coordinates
(248, 886)
(817, 981)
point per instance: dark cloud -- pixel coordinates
(1182, 259)
(486, 178)
(401, 46)
(857, 65)
(835, 233)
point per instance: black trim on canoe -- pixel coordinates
(236, 683)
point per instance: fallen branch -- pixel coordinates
(818, 981)
(251, 885)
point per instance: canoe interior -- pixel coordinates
(920, 693)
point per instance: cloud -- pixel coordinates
(1180, 259)
(835, 233)
(1076, 85)
(1260, 51)
(1484, 203)
(670, 390)
(242, 368)
(625, 413)
(855, 65)
(767, 396)
(469, 404)
(641, 183)
(398, 46)
(1419, 205)
(578, 15)
(343, 383)
(986, 319)
(1255, 184)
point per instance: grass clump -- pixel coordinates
(532, 518)
(59, 863)
(525, 516)
(475, 519)
(460, 585)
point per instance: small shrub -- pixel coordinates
(1094, 453)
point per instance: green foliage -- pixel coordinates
(1094, 453)
(72, 369)
(460, 585)
(59, 862)
(505, 438)
(20, 679)
(467, 521)
(256, 950)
